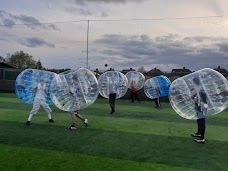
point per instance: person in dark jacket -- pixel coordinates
(201, 106)
(112, 89)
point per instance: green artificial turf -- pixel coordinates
(135, 137)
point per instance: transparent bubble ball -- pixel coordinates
(74, 90)
(135, 79)
(199, 94)
(27, 81)
(157, 87)
(112, 82)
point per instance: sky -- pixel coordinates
(122, 33)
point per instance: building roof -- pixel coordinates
(154, 72)
(221, 70)
(183, 70)
(4, 65)
(124, 71)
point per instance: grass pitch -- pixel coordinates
(135, 137)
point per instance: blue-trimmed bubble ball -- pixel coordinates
(135, 80)
(199, 94)
(74, 90)
(157, 87)
(27, 81)
(112, 82)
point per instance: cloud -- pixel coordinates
(223, 47)
(77, 10)
(35, 42)
(9, 20)
(174, 50)
(83, 2)
(8, 23)
(53, 26)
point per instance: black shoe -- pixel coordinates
(51, 120)
(195, 135)
(72, 127)
(113, 110)
(199, 140)
(28, 123)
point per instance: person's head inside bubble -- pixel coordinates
(196, 83)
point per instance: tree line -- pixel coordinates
(21, 60)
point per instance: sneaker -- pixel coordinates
(113, 110)
(86, 122)
(51, 120)
(28, 123)
(199, 140)
(72, 127)
(195, 135)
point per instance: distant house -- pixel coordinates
(180, 72)
(111, 69)
(124, 71)
(4, 65)
(223, 71)
(154, 72)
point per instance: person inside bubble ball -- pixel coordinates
(40, 101)
(112, 87)
(134, 92)
(75, 92)
(201, 106)
(157, 99)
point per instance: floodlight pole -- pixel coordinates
(87, 52)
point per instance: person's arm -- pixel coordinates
(204, 99)
(37, 87)
(45, 89)
(194, 94)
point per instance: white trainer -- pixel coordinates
(86, 122)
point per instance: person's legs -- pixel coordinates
(197, 134)
(201, 129)
(112, 98)
(198, 127)
(132, 97)
(35, 108)
(47, 109)
(136, 96)
(159, 102)
(156, 102)
(85, 121)
(73, 117)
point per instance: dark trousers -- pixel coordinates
(134, 94)
(112, 99)
(157, 102)
(201, 127)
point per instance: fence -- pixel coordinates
(7, 79)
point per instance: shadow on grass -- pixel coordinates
(123, 114)
(166, 150)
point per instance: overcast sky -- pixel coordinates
(58, 37)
